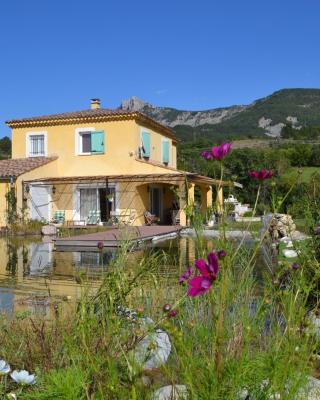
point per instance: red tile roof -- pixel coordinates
(19, 166)
(98, 112)
(91, 114)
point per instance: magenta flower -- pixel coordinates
(172, 314)
(206, 155)
(261, 175)
(208, 273)
(219, 152)
(184, 277)
(221, 254)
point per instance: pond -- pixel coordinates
(35, 279)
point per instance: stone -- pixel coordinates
(315, 324)
(311, 391)
(176, 392)
(49, 230)
(290, 253)
(153, 350)
(279, 225)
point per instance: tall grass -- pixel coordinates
(245, 335)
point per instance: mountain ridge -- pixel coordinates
(266, 116)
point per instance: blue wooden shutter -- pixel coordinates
(165, 151)
(97, 142)
(146, 144)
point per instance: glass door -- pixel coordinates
(88, 202)
(156, 201)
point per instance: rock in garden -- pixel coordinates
(49, 230)
(153, 350)
(290, 253)
(279, 225)
(315, 324)
(311, 391)
(177, 392)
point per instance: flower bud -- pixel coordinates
(167, 307)
(221, 253)
(100, 245)
(172, 313)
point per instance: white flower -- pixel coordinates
(23, 377)
(4, 367)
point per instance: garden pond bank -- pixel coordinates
(34, 278)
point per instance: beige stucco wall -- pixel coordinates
(3, 202)
(122, 140)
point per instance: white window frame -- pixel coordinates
(78, 140)
(28, 144)
(164, 139)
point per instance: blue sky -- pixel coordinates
(56, 55)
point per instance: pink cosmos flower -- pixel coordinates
(184, 277)
(219, 152)
(208, 273)
(261, 175)
(206, 155)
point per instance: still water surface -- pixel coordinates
(34, 278)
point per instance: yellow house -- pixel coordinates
(96, 165)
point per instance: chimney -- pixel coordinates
(95, 103)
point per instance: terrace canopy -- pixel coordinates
(184, 182)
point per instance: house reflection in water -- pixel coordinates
(35, 278)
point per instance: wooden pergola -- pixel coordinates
(185, 182)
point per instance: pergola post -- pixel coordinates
(182, 204)
(206, 198)
(191, 193)
(219, 199)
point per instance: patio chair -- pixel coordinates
(59, 217)
(175, 217)
(150, 219)
(94, 217)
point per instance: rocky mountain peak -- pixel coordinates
(133, 103)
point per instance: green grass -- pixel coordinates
(304, 177)
(220, 337)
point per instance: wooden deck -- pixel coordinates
(114, 237)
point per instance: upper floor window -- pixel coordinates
(145, 145)
(36, 145)
(89, 141)
(165, 151)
